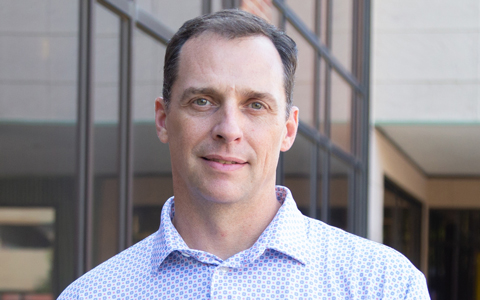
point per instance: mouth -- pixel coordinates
(224, 160)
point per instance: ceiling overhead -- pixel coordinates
(439, 150)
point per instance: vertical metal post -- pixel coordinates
(316, 74)
(328, 100)
(365, 111)
(281, 161)
(125, 131)
(228, 4)
(313, 181)
(206, 6)
(283, 20)
(85, 138)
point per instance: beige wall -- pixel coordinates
(454, 193)
(387, 160)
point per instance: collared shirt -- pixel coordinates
(296, 257)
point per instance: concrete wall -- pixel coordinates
(426, 63)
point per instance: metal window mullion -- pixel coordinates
(317, 70)
(281, 160)
(325, 213)
(280, 180)
(206, 6)
(365, 107)
(125, 134)
(85, 138)
(351, 200)
(313, 181)
(229, 4)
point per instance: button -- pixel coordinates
(185, 254)
(223, 269)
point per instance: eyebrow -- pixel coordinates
(213, 92)
(199, 91)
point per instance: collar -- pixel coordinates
(287, 233)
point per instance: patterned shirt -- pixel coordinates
(296, 257)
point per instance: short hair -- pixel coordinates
(230, 24)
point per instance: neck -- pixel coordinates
(223, 229)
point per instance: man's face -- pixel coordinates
(226, 121)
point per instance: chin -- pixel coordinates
(223, 194)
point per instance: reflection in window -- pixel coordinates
(339, 188)
(402, 222)
(304, 85)
(454, 254)
(297, 164)
(152, 178)
(341, 112)
(27, 239)
(106, 114)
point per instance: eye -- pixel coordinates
(201, 102)
(256, 105)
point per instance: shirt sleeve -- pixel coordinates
(417, 289)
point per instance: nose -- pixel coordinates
(228, 128)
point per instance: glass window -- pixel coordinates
(322, 155)
(305, 9)
(402, 222)
(304, 84)
(172, 13)
(106, 140)
(38, 116)
(454, 254)
(297, 166)
(152, 183)
(339, 190)
(342, 20)
(27, 238)
(340, 112)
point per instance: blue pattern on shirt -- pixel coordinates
(296, 257)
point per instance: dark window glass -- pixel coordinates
(339, 190)
(402, 222)
(321, 157)
(454, 254)
(297, 166)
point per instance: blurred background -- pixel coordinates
(388, 145)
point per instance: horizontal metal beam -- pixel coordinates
(142, 19)
(152, 26)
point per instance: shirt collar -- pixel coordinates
(287, 233)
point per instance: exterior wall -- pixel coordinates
(455, 193)
(425, 61)
(386, 160)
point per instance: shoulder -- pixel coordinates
(132, 264)
(359, 262)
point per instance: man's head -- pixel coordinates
(230, 24)
(224, 119)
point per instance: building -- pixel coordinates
(83, 175)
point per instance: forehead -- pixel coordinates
(248, 62)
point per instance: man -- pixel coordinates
(228, 232)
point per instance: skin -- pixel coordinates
(225, 126)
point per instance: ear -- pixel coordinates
(161, 120)
(291, 130)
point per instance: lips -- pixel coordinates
(224, 160)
